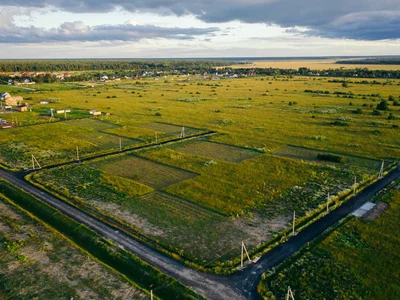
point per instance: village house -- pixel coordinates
(22, 108)
(9, 100)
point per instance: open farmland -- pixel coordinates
(36, 262)
(311, 155)
(215, 151)
(144, 171)
(358, 260)
(51, 143)
(201, 195)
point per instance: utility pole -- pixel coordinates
(294, 222)
(51, 114)
(34, 160)
(151, 294)
(289, 294)
(354, 186)
(381, 170)
(77, 153)
(120, 144)
(65, 115)
(156, 138)
(241, 256)
(327, 204)
(182, 133)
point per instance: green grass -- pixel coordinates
(252, 191)
(215, 151)
(360, 260)
(37, 262)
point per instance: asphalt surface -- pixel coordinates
(242, 284)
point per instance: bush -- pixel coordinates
(383, 105)
(331, 157)
(376, 113)
(339, 123)
(158, 114)
(396, 103)
(358, 111)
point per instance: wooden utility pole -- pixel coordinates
(244, 249)
(289, 294)
(327, 203)
(381, 170)
(294, 222)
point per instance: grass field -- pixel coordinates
(236, 178)
(143, 171)
(215, 151)
(36, 262)
(360, 260)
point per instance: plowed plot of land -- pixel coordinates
(311, 155)
(215, 150)
(144, 171)
(169, 129)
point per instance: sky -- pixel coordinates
(200, 28)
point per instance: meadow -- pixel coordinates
(359, 260)
(202, 197)
(37, 262)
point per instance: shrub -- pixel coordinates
(158, 114)
(339, 123)
(376, 113)
(383, 105)
(358, 111)
(331, 157)
(396, 103)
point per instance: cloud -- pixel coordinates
(354, 19)
(79, 32)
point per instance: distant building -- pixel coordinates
(4, 95)
(22, 108)
(95, 113)
(10, 100)
(44, 102)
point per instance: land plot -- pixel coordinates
(144, 171)
(36, 262)
(55, 142)
(215, 150)
(95, 124)
(170, 129)
(311, 155)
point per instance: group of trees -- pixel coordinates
(184, 66)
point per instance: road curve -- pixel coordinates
(241, 285)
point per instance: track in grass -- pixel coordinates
(215, 150)
(144, 171)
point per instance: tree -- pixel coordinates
(383, 105)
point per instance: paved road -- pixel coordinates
(241, 285)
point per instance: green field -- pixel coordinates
(359, 260)
(201, 197)
(37, 262)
